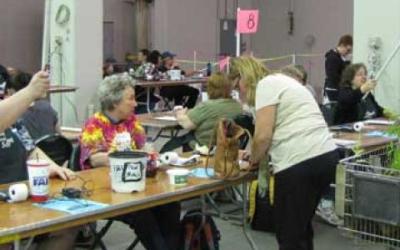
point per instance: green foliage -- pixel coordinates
(389, 114)
(394, 150)
(357, 148)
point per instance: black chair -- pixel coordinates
(245, 121)
(74, 161)
(329, 111)
(56, 147)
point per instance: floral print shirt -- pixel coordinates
(100, 134)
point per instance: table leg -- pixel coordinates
(29, 243)
(148, 100)
(157, 135)
(17, 244)
(203, 210)
(245, 218)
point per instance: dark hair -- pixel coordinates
(4, 76)
(349, 72)
(19, 81)
(154, 57)
(110, 60)
(346, 40)
(105, 67)
(145, 52)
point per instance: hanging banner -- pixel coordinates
(223, 63)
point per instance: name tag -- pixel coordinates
(122, 141)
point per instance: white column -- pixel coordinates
(77, 55)
(373, 19)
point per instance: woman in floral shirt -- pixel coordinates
(104, 134)
(115, 128)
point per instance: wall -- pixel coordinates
(21, 42)
(121, 13)
(183, 28)
(385, 24)
(326, 21)
(21, 33)
(180, 28)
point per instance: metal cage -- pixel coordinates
(369, 187)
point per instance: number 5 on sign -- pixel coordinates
(247, 21)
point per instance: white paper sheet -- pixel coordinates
(182, 161)
(344, 142)
(71, 129)
(378, 122)
(166, 118)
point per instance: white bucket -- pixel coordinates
(128, 171)
(174, 74)
(178, 176)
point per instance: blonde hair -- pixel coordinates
(251, 71)
(218, 86)
(293, 72)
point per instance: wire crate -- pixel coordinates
(371, 190)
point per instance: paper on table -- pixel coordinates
(378, 122)
(166, 118)
(71, 206)
(181, 161)
(71, 129)
(344, 142)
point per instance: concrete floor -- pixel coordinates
(232, 238)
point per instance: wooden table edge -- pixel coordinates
(112, 211)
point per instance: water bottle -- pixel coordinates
(209, 69)
(151, 169)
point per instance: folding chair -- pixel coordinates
(74, 164)
(329, 111)
(56, 147)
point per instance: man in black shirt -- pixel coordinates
(177, 93)
(335, 62)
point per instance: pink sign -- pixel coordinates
(247, 21)
(223, 62)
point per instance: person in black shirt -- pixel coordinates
(16, 147)
(148, 70)
(177, 93)
(335, 62)
(352, 105)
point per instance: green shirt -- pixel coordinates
(206, 115)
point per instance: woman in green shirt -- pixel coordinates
(201, 120)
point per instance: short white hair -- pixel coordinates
(111, 90)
